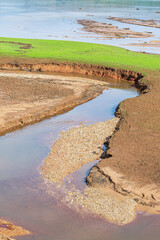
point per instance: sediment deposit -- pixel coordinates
(75, 147)
(135, 21)
(110, 31)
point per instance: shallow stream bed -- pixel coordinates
(27, 201)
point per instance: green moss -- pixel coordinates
(78, 52)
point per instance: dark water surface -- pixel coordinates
(27, 201)
(57, 19)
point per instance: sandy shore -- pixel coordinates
(110, 31)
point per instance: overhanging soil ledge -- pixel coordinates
(74, 68)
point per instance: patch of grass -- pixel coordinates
(67, 51)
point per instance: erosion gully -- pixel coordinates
(27, 201)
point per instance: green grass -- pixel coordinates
(79, 52)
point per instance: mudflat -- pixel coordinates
(133, 166)
(135, 21)
(110, 31)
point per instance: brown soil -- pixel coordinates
(132, 166)
(109, 30)
(147, 23)
(8, 230)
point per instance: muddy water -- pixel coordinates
(57, 19)
(27, 201)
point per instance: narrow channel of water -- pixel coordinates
(25, 199)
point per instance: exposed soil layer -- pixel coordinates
(109, 30)
(135, 21)
(71, 68)
(8, 230)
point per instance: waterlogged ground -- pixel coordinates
(52, 19)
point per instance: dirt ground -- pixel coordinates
(110, 31)
(133, 166)
(27, 98)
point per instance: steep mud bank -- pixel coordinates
(132, 166)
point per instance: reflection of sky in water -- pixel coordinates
(51, 19)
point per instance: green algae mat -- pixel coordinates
(68, 51)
